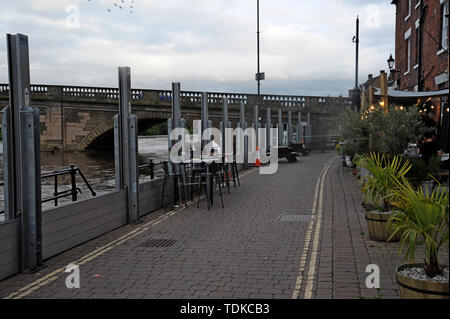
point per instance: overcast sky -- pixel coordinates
(306, 45)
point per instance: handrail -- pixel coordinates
(73, 191)
(151, 165)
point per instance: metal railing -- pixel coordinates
(151, 166)
(73, 191)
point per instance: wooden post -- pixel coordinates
(363, 100)
(384, 91)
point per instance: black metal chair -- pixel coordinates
(174, 177)
(212, 180)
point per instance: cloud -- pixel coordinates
(306, 46)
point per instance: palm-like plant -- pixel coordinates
(422, 217)
(378, 186)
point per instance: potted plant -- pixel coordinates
(358, 160)
(378, 192)
(422, 217)
(348, 151)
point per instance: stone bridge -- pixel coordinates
(76, 118)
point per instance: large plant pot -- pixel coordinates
(411, 288)
(377, 226)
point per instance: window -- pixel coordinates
(444, 25)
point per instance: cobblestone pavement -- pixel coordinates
(243, 251)
(345, 247)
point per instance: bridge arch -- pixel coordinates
(102, 137)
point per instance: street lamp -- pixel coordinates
(391, 63)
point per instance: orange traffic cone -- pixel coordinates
(257, 162)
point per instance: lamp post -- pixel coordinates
(356, 92)
(391, 64)
(259, 75)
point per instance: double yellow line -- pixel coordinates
(316, 214)
(41, 282)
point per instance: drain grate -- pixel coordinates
(295, 218)
(158, 243)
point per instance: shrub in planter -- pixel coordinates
(378, 191)
(421, 217)
(348, 151)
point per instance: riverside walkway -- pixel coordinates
(299, 234)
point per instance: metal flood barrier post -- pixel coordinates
(299, 128)
(174, 122)
(224, 124)
(126, 147)
(268, 127)
(256, 124)
(21, 155)
(204, 125)
(309, 129)
(280, 127)
(289, 128)
(243, 125)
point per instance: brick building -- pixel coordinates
(421, 45)
(422, 61)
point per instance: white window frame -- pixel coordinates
(416, 47)
(409, 10)
(408, 41)
(444, 27)
(417, 4)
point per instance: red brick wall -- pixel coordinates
(432, 64)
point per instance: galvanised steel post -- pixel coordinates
(204, 117)
(22, 166)
(122, 125)
(126, 146)
(9, 177)
(133, 173)
(280, 127)
(309, 129)
(289, 127)
(256, 123)
(224, 124)
(31, 189)
(268, 127)
(174, 123)
(299, 128)
(244, 127)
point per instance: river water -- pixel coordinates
(97, 167)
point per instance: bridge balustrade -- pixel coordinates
(187, 97)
